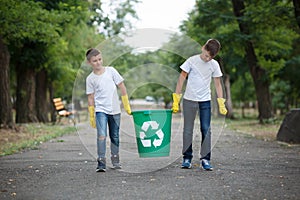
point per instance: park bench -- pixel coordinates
(62, 111)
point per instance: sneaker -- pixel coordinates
(115, 160)
(206, 165)
(101, 165)
(186, 164)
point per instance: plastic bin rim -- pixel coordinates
(152, 111)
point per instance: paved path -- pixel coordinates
(64, 168)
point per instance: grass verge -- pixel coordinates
(29, 136)
(251, 127)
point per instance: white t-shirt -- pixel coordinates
(200, 74)
(105, 91)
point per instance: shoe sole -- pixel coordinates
(118, 167)
(209, 169)
(100, 170)
(184, 167)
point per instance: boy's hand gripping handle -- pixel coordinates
(126, 104)
(176, 100)
(92, 116)
(222, 108)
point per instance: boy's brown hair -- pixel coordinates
(92, 52)
(213, 46)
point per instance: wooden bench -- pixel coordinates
(62, 111)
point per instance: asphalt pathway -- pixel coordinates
(64, 168)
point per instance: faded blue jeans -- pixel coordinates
(190, 109)
(103, 121)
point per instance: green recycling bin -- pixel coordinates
(153, 132)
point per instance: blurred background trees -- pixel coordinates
(258, 38)
(43, 42)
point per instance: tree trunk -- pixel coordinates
(6, 118)
(42, 101)
(258, 74)
(297, 11)
(52, 108)
(228, 97)
(263, 95)
(25, 104)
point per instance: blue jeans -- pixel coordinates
(190, 109)
(103, 121)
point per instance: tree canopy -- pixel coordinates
(42, 52)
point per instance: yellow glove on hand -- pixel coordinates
(126, 104)
(222, 108)
(92, 116)
(176, 100)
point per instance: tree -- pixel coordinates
(214, 19)
(258, 28)
(297, 11)
(34, 43)
(28, 59)
(259, 74)
(6, 119)
(17, 26)
(254, 34)
(115, 17)
(54, 36)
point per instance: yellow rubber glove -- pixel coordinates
(176, 100)
(126, 104)
(222, 108)
(92, 116)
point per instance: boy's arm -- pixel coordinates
(91, 108)
(177, 95)
(91, 99)
(180, 82)
(122, 88)
(218, 86)
(124, 98)
(220, 99)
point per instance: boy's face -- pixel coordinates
(96, 61)
(205, 55)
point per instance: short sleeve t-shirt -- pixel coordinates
(104, 87)
(200, 74)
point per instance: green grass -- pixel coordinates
(252, 127)
(30, 136)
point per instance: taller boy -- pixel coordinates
(199, 69)
(104, 107)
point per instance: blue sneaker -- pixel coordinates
(186, 164)
(101, 165)
(206, 165)
(116, 162)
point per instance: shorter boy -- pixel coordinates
(104, 108)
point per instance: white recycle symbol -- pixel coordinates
(147, 142)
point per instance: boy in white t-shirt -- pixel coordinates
(199, 69)
(104, 107)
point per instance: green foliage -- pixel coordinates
(115, 17)
(53, 36)
(242, 89)
(147, 75)
(291, 74)
(66, 56)
(280, 91)
(38, 24)
(165, 94)
(270, 25)
(215, 19)
(67, 52)
(272, 31)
